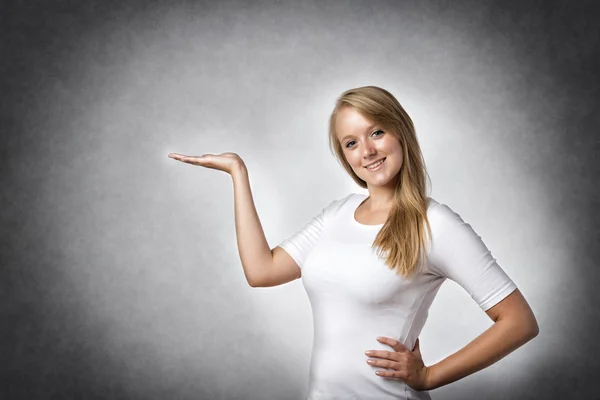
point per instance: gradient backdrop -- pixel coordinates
(120, 272)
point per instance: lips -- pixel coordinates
(375, 162)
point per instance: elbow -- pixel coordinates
(257, 282)
(529, 329)
(253, 283)
(535, 329)
(523, 329)
(533, 326)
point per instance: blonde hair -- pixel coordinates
(402, 239)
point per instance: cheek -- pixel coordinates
(397, 150)
(354, 161)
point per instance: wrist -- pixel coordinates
(239, 169)
(430, 378)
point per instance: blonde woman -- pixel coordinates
(372, 265)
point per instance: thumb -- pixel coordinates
(417, 349)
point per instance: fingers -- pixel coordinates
(389, 374)
(397, 366)
(400, 364)
(393, 366)
(396, 345)
(394, 369)
(385, 363)
(187, 159)
(387, 359)
(177, 156)
(390, 355)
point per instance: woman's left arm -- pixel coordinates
(514, 325)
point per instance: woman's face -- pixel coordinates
(364, 143)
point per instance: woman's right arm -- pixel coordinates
(262, 266)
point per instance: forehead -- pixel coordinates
(349, 122)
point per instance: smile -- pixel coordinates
(375, 166)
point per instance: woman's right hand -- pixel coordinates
(226, 162)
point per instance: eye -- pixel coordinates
(379, 131)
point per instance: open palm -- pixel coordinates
(226, 162)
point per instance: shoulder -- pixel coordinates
(334, 207)
(442, 218)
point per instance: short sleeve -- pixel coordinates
(299, 245)
(458, 253)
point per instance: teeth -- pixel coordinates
(374, 165)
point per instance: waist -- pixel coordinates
(338, 375)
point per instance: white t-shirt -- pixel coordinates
(355, 297)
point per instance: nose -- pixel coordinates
(369, 149)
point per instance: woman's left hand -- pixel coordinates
(402, 363)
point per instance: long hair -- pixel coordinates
(402, 239)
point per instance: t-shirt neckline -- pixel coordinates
(360, 198)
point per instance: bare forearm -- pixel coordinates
(255, 253)
(495, 343)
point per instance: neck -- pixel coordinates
(380, 198)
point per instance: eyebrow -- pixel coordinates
(368, 129)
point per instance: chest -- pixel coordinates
(344, 267)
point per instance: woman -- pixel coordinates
(372, 265)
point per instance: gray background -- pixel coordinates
(120, 272)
